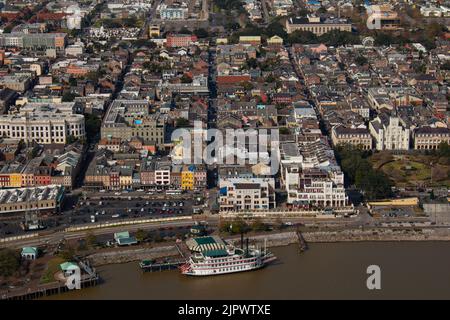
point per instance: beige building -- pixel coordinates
(48, 198)
(317, 25)
(237, 194)
(357, 137)
(427, 138)
(16, 83)
(132, 118)
(43, 123)
(389, 133)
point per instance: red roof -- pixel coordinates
(234, 79)
(42, 16)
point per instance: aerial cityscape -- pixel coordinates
(157, 149)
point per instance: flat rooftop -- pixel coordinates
(51, 192)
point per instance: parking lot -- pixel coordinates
(110, 210)
(89, 211)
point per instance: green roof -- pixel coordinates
(68, 266)
(121, 235)
(205, 240)
(29, 250)
(126, 241)
(215, 253)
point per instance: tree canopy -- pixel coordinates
(358, 171)
(9, 262)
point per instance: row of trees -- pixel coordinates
(332, 38)
(238, 226)
(9, 262)
(374, 184)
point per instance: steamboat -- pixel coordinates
(222, 258)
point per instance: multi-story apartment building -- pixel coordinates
(317, 25)
(42, 199)
(162, 172)
(237, 194)
(357, 137)
(187, 178)
(428, 138)
(36, 172)
(172, 13)
(388, 133)
(383, 17)
(43, 124)
(34, 41)
(17, 83)
(311, 175)
(180, 40)
(132, 118)
(314, 186)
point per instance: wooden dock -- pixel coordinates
(88, 279)
(301, 241)
(166, 264)
(45, 290)
(152, 266)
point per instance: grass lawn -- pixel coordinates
(52, 268)
(414, 170)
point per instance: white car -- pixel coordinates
(115, 215)
(117, 193)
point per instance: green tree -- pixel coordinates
(91, 239)
(258, 225)
(182, 122)
(339, 38)
(444, 149)
(361, 60)
(72, 82)
(446, 66)
(239, 226)
(9, 262)
(186, 79)
(252, 63)
(68, 253)
(358, 171)
(276, 28)
(68, 96)
(141, 235)
(92, 124)
(247, 85)
(201, 33)
(185, 30)
(71, 139)
(304, 37)
(284, 130)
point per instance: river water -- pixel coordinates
(409, 270)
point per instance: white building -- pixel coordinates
(237, 194)
(388, 133)
(75, 49)
(162, 173)
(434, 11)
(43, 123)
(173, 13)
(311, 176)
